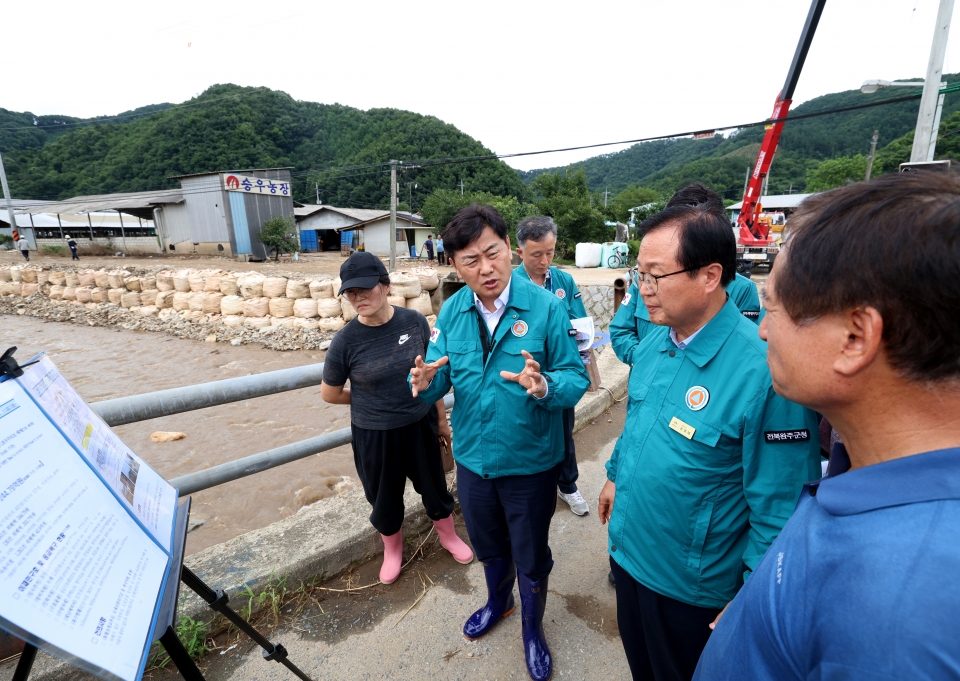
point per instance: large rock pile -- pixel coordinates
(250, 300)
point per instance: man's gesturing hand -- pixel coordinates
(422, 374)
(530, 378)
(605, 504)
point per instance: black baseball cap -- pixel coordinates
(361, 270)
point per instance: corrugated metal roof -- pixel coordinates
(406, 217)
(776, 201)
(234, 170)
(143, 201)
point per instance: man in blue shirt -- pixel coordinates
(863, 325)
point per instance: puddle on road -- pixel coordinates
(600, 618)
(103, 363)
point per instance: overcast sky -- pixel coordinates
(516, 75)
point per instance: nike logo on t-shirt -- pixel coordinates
(404, 338)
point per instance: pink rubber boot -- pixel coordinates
(451, 542)
(392, 557)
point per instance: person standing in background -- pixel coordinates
(395, 436)
(428, 244)
(73, 248)
(441, 256)
(24, 247)
(536, 246)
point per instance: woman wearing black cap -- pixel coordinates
(395, 436)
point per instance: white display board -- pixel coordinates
(86, 529)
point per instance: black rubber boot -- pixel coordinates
(533, 603)
(500, 576)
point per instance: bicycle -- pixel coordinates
(617, 260)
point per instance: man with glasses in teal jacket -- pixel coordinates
(504, 345)
(711, 461)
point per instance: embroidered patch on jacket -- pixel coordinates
(519, 328)
(697, 398)
(571, 332)
(626, 299)
(786, 435)
(561, 294)
(434, 335)
(751, 314)
(577, 295)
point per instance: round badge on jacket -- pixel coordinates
(519, 328)
(697, 398)
(561, 294)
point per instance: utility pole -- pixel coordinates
(6, 194)
(922, 150)
(393, 216)
(605, 193)
(746, 182)
(316, 185)
(873, 151)
(461, 186)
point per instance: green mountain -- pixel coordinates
(722, 163)
(231, 127)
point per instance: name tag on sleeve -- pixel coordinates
(772, 436)
(684, 429)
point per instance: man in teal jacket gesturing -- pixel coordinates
(711, 461)
(504, 346)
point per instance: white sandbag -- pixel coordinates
(348, 311)
(432, 320)
(168, 312)
(86, 278)
(256, 307)
(233, 320)
(231, 305)
(195, 316)
(298, 288)
(181, 281)
(305, 308)
(43, 277)
(329, 307)
(148, 310)
(282, 322)
(274, 287)
(197, 299)
(82, 293)
(114, 295)
(16, 274)
(148, 283)
(256, 322)
(331, 324)
(132, 283)
(115, 278)
(130, 299)
(56, 278)
(30, 289)
(397, 301)
(196, 281)
(228, 285)
(406, 285)
(429, 279)
(337, 283)
(251, 285)
(308, 324)
(181, 301)
(212, 283)
(101, 279)
(56, 292)
(212, 301)
(5, 274)
(421, 304)
(99, 295)
(90, 306)
(165, 300)
(149, 297)
(6, 288)
(588, 255)
(69, 292)
(280, 307)
(165, 281)
(28, 275)
(321, 288)
(72, 279)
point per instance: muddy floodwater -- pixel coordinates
(103, 363)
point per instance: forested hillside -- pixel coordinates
(230, 127)
(722, 162)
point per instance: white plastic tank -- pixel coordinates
(588, 255)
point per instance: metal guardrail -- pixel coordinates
(123, 410)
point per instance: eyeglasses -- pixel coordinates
(652, 281)
(359, 293)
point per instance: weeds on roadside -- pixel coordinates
(193, 636)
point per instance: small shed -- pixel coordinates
(782, 203)
(370, 229)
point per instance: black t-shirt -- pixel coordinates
(429, 246)
(377, 360)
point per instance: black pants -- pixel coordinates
(662, 637)
(442, 257)
(386, 458)
(73, 254)
(568, 469)
(26, 255)
(510, 516)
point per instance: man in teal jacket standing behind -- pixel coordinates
(536, 245)
(504, 345)
(711, 462)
